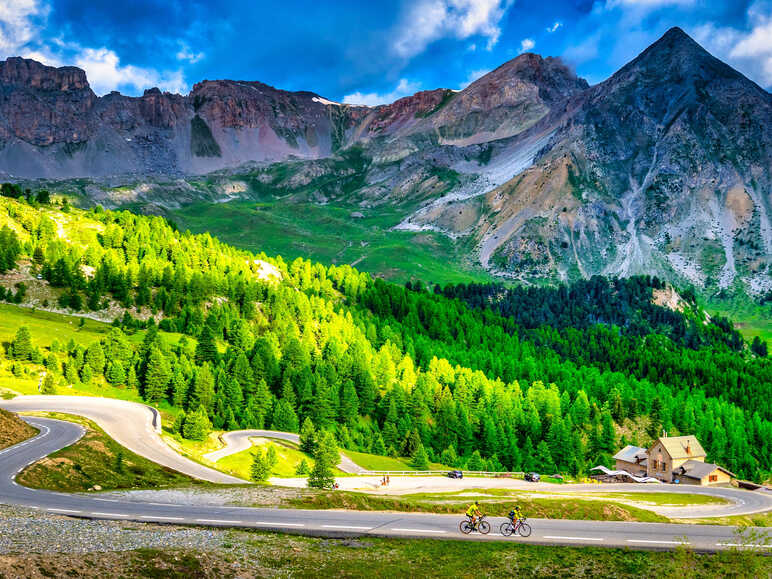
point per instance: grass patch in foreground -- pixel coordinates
(245, 554)
(534, 508)
(96, 459)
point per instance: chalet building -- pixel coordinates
(672, 459)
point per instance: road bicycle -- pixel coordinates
(466, 526)
(519, 526)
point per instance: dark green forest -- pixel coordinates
(482, 377)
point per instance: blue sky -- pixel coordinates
(364, 52)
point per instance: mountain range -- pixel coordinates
(664, 168)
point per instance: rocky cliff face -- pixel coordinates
(52, 124)
(663, 168)
(42, 106)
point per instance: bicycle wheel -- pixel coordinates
(506, 528)
(524, 530)
(465, 526)
(484, 527)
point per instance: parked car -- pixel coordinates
(532, 477)
(455, 474)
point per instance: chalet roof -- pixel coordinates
(676, 446)
(698, 469)
(631, 453)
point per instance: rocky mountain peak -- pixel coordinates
(551, 76)
(678, 59)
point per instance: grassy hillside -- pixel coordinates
(13, 429)
(331, 235)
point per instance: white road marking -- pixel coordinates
(658, 542)
(109, 515)
(267, 524)
(352, 527)
(743, 545)
(418, 530)
(218, 521)
(64, 511)
(573, 538)
(156, 518)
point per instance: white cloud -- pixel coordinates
(750, 51)
(429, 20)
(404, 88)
(526, 44)
(20, 23)
(105, 73)
(185, 53)
(473, 76)
(558, 24)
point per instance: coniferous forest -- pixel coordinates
(485, 377)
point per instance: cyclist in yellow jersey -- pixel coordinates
(473, 512)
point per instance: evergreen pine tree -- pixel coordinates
(326, 457)
(49, 384)
(115, 374)
(206, 349)
(420, 459)
(179, 422)
(260, 469)
(284, 417)
(86, 374)
(71, 372)
(197, 425)
(544, 462)
(475, 462)
(302, 468)
(449, 457)
(156, 377)
(308, 441)
(349, 403)
(379, 447)
(95, 357)
(21, 345)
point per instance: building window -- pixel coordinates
(713, 478)
(663, 466)
(655, 463)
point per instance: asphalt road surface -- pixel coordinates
(56, 434)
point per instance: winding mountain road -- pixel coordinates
(55, 434)
(135, 426)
